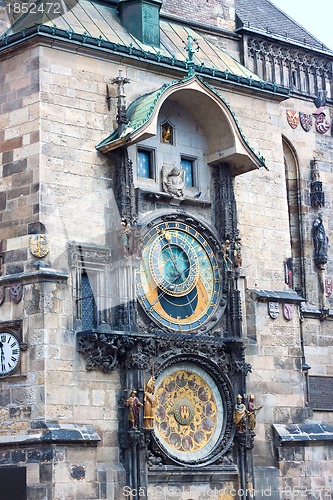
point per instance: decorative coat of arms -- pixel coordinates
(328, 286)
(306, 121)
(288, 311)
(2, 295)
(321, 124)
(16, 292)
(293, 118)
(273, 309)
(39, 245)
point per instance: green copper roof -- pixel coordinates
(140, 111)
(99, 20)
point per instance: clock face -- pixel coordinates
(189, 412)
(9, 353)
(178, 280)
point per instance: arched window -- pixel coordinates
(297, 281)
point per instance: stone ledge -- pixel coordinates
(188, 473)
(55, 433)
(288, 296)
(309, 433)
(42, 274)
(163, 197)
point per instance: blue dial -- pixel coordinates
(178, 281)
(173, 263)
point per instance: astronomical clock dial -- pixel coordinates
(9, 353)
(178, 281)
(189, 413)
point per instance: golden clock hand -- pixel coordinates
(163, 293)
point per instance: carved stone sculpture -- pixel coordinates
(240, 414)
(173, 181)
(133, 404)
(251, 413)
(148, 405)
(320, 242)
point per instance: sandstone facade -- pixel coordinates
(64, 419)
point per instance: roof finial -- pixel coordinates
(191, 51)
(121, 117)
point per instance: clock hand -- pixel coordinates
(2, 356)
(173, 281)
(174, 262)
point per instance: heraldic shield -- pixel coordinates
(306, 121)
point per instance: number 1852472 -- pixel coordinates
(34, 8)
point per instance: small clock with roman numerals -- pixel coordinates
(9, 353)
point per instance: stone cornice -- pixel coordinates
(56, 434)
(41, 33)
(41, 275)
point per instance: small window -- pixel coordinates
(187, 165)
(88, 306)
(146, 163)
(91, 290)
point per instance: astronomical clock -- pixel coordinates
(175, 330)
(182, 291)
(179, 284)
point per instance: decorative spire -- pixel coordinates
(121, 117)
(190, 53)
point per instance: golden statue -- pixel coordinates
(149, 404)
(251, 412)
(240, 414)
(166, 133)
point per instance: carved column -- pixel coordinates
(226, 225)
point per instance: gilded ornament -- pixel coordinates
(39, 245)
(189, 412)
(149, 404)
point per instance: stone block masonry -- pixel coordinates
(220, 14)
(19, 148)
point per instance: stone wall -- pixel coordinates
(210, 12)
(19, 152)
(53, 113)
(306, 469)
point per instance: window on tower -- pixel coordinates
(188, 165)
(146, 160)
